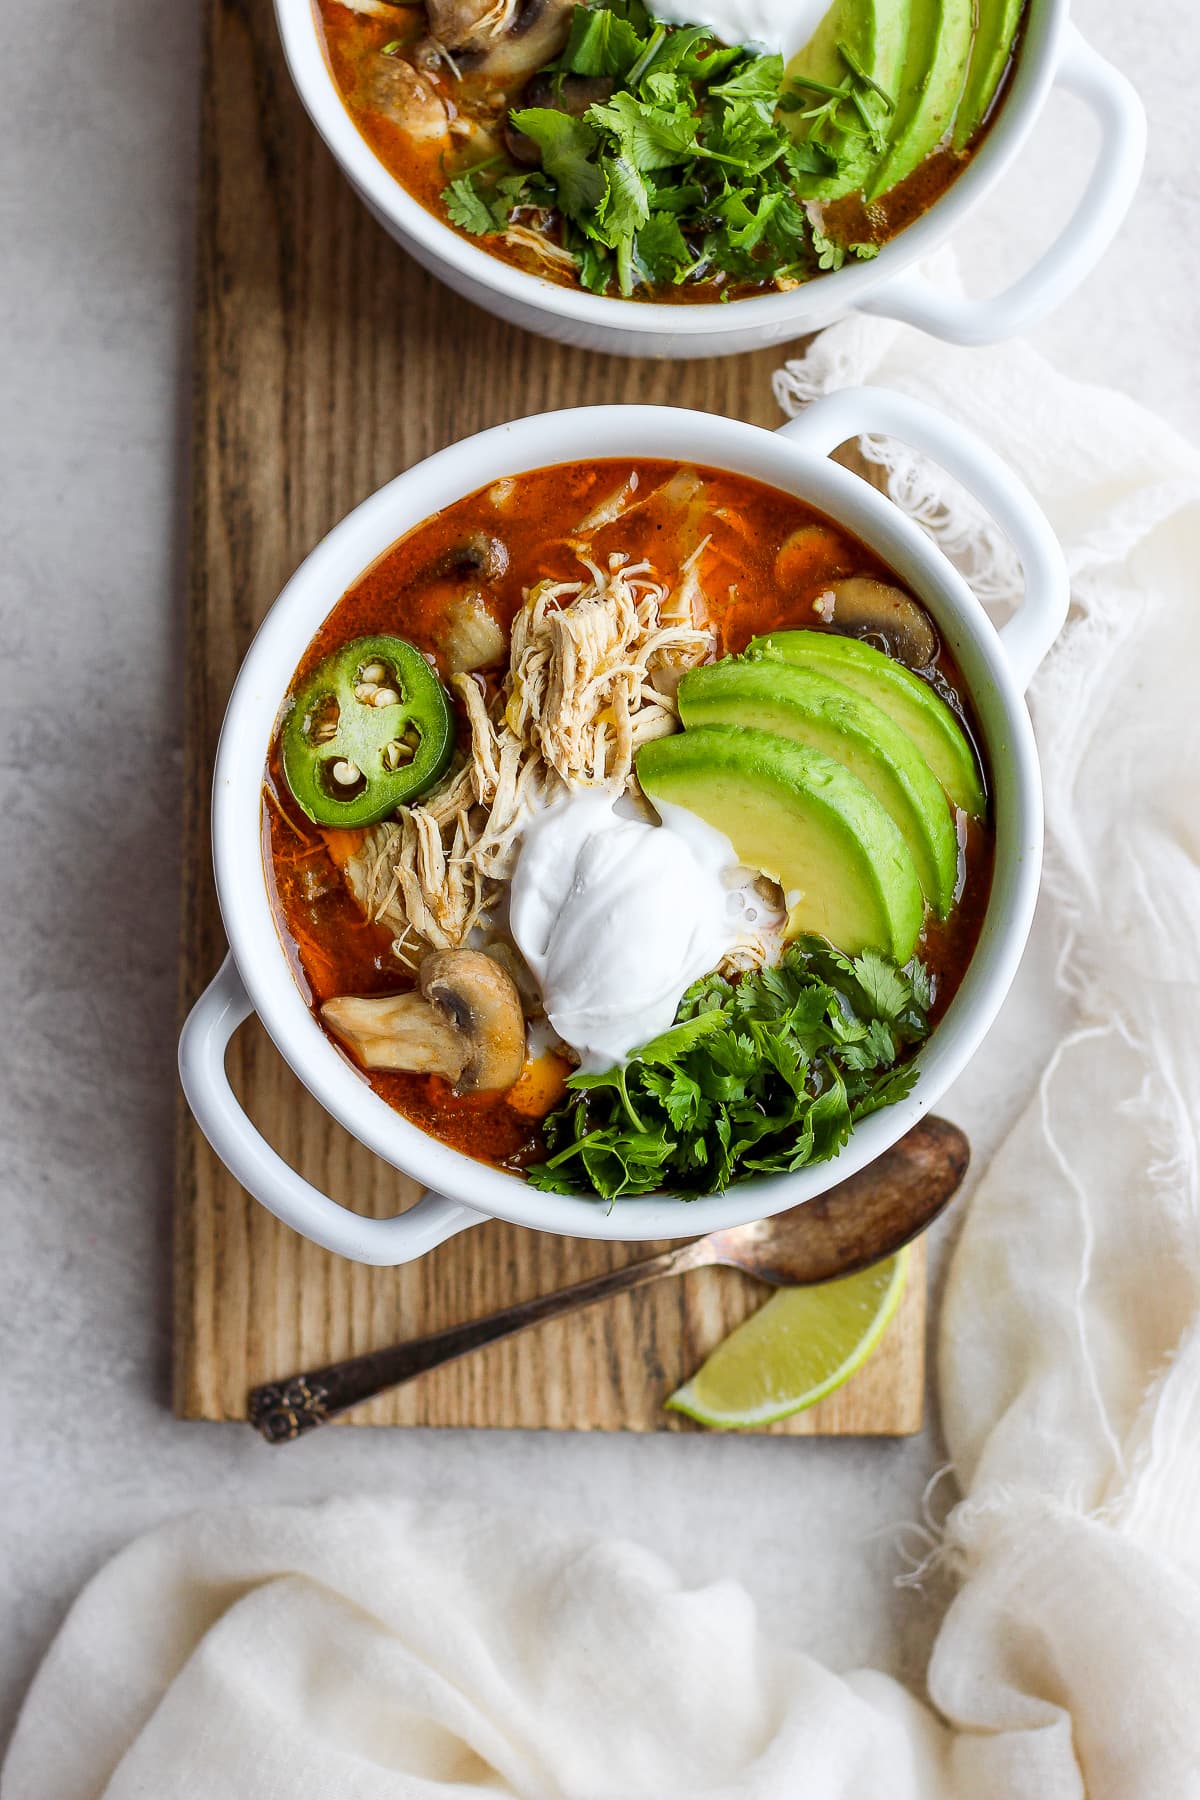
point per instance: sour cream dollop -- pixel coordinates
(783, 25)
(616, 917)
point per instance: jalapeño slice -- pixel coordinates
(369, 730)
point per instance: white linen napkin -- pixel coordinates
(363, 1650)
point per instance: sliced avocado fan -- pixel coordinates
(875, 33)
(805, 821)
(941, 62)
(814, 709)
(910, 702)
(931, 86)
(995, 35)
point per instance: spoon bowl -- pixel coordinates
(862, 1220)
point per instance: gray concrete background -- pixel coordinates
(97, 172)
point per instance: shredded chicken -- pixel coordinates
(751, 953)
(540, 246)
(580, 678)
(678, 492)
(609, 508)
(686, 604)
(579, 698)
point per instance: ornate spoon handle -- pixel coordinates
(283, 1410)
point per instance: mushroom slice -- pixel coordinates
(865, 608)
(805, 552)
(480, 555)
(465, 1023)
(398, 1031)
(457, 23)
(469, 638)
(507, 41)
(481, 999)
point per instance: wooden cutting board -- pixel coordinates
(326, 362)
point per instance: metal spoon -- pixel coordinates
(855, 1224)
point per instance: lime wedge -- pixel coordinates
(794, 1350)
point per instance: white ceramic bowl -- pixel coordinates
(1053, 53)
(257, 975)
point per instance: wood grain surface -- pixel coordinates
(326, 362)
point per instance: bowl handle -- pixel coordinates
(1080, 244)
(851, 412)
(223, 1006)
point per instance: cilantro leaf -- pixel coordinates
(467, 208)
(681, 1038)
(660, 248)
(679, 1094)
(809, 158)
(765, 1074)
(595, 266)
(759, 78)
(922, 985)
(694, 52)
(746, 226)
(624, 207)
(604, 40)
(885, 988)
(830, 254)
(650, 137)
(626, 201)
(565, 145)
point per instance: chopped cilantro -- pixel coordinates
(761, 1075)
(661, 247)
(830, 254)
(828, 126)
(863, 78)
(691, 130)
(605, 40)
(566, 146)
(658, 137)
(758, 78)
(468, 209)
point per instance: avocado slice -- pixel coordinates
(931, 85)
(816, 710)
(803, 819)
(991, 52)
(876, 33)
(910, 702)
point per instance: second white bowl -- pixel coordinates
(1052, 53)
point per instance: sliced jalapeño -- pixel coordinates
(369, 730)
